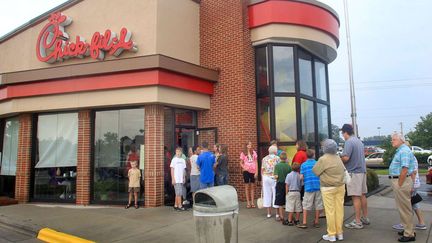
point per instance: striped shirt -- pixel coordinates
(310, 180)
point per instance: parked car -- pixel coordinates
(370, 150)
(417, 149)
(375, 160)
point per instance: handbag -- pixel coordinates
(416, 199)
(347, 177)
(260, 203)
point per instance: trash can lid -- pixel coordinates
(216, 199)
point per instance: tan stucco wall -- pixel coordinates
(155, 25)
(291, 31)
(107, 98)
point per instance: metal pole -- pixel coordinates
(401, 124)
(350, 69)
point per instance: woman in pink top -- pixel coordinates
(249, 164)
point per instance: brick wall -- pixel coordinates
(226, 46)
(22, 179)
(83, 158)
(154, 156)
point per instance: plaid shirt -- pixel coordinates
(403, 158)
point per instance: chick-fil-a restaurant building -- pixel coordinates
(92, 83)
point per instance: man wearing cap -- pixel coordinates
(400, 170)
(354, 160)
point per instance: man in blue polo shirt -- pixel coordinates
(205, 162)
(400, 170)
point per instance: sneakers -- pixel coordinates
(365, 220)
(417, 226)
(277, 218)
(340, 237)
(268, 216)
(421, 227)
(329, 238)
(354, 225)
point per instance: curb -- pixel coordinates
(50, 235)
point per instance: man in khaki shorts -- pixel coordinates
(354, 160)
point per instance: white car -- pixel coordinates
(374, 160)
(417, 149)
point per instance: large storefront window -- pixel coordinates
(296, 107)
(56, 158)
(8, 157)
(119, 140)
(262, 71)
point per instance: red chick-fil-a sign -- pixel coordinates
(53, 43)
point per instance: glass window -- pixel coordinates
(264, 119)
(9, 153)
(262, 73)
(321, 80)
(307, 118)
(185, 117)
(56, 159)
(285, 119)
(283, 64)
(290, 151)
(323, 127)
(119, 140)
(305, 74)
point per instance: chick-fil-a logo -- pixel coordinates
(53, 43)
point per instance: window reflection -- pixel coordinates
(264, 119)
(262, 74)
(283, 64)
(119, 140)
(308, 123)
(323, 127)
(56, 158)
(285, 119)
(9, 153)
(320, 79)
(305, 74)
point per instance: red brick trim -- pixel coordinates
(83, 158)
(22, 179)
(154, 156)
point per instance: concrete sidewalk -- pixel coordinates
(116, 224)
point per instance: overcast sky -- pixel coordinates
(390, 41)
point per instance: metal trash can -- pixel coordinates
(215, 213)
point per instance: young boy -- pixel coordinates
(292, 190)
(312, 197)
(178, 166)
(281, 170)
(134, 175)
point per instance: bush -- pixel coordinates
(372, 180)
(422, 158)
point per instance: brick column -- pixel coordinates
(22, 179)
(153, 163)
(83, 158)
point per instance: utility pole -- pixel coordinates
(401, 128)
(350, 69)
(379, 132)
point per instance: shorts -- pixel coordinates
(178, 188)
(280, 194)
(248, 177)
(134, 189)
(312, 199)
(357, 185)
(293, 202)
(195, 183)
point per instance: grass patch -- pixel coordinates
(385, 171)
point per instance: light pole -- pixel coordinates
(350, 69)
(379, 132)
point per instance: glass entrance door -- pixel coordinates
(8, 156)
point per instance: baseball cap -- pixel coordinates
(348, 128)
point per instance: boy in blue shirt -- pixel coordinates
(205, 163)
(312, 196)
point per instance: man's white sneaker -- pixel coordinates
(340, 237)
(354, 225)
(329, 238)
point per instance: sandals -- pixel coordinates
(253, 206)
(136, 206)
(302, 226)
(248, 206)
(127, 206)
